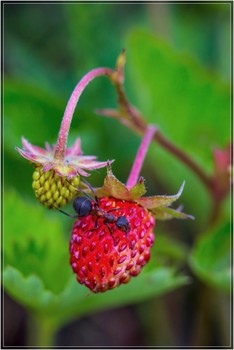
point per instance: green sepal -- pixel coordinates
(157, 205)
(169, 213)
(112, 187)
(138, 190)
(155, 202)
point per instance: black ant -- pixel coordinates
(83, 207)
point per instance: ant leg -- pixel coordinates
(109, 228)
(96, 224)
(107, 224)
(114, 209)
(91, 189)
(63, 212)
(115, 241)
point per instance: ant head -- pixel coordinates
(123, 224)
(82, 206)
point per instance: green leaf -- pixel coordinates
(34, 242)
(37, 273)
(167, 249)
(32, 112)
(29, 290)
(190, 105)
(211, 257)
(77, 301)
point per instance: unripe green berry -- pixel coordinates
(53, 190)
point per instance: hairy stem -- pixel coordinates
(140, 156)
(70, 108)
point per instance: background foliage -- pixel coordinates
(178, 76)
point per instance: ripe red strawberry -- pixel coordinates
(105, 253)
(104, 257)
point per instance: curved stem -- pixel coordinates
(70, 108)
(140, 156)
(184, 158)
(133, 119)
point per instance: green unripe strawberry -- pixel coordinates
(53, 190)
(56, 178)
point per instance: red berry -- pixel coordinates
(102, 255)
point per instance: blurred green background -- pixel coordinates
(178, 75)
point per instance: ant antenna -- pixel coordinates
(91, 189)
(85, 193)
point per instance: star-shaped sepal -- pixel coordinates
(158, 205)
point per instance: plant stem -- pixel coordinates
(70, 108)
(41, 331)
(140, 156)
(134, 120)
(184, 158)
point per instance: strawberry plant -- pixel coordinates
(124, 244)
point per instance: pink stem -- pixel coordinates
(140, 156)
(71, 105)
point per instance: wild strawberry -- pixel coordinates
(112, 237)
(104, 257)
(53, 190)
(57, 165)
(57, 176)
